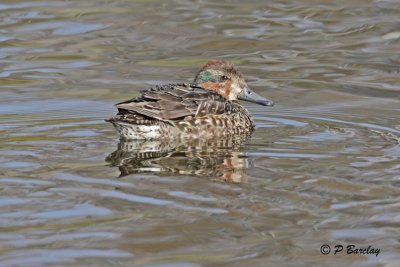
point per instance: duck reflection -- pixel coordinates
(219, 159)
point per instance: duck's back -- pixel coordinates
(180, 110)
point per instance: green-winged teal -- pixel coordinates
(206, 108)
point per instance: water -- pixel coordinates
(321, 168)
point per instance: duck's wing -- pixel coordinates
(175, 101)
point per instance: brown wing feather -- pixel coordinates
(170, 102)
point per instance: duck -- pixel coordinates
(208, 107)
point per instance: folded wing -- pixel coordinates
(175, 101)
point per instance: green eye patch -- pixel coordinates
(206, 77)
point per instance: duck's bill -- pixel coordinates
(248, 95)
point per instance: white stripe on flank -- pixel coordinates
(132, 131)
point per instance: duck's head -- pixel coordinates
(222, 77)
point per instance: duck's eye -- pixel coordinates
(225, 78)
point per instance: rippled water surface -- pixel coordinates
(323, 166)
